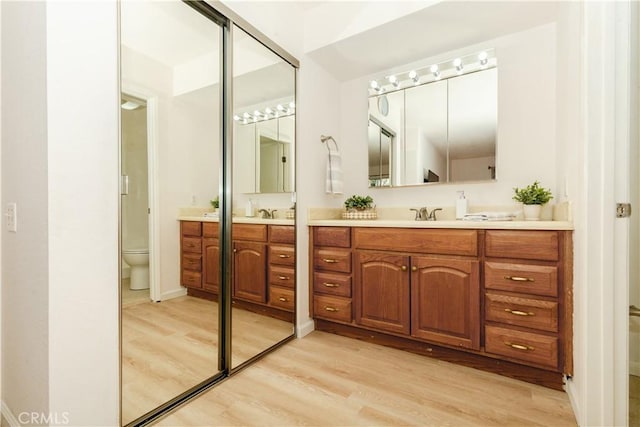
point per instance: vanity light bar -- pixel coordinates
(443, 70)
(280, 110)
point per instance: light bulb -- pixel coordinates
(292, 104)
(268, 111)
(483, 57)
(374, 84)
(280, 107)
(458, 64)
(246, 115)
(236, 117)
(435, 72)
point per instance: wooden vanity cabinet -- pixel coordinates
(429, 297)
(250, 262)
(498, 300)
(332, 276)
(445, 301)
(264, 273)
(191, 254)
(282, 267)
(210, 257)
(528, 297)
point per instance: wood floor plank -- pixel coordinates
(328, 380)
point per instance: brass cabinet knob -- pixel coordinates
(414, 268)
(403, 268)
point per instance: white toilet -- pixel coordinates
(138, 259)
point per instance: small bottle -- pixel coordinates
(461, 205)
(249, 208)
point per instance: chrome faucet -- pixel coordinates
(423, 214)
(267, 214)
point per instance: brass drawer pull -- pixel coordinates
(283, 299)
(284, 256)
(331, 309)
(283, 278)
(519, 346)
(519, 313)
(331, 285)
(519, 279)
(329, 260)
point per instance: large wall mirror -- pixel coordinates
(176, 335)
(434, 125)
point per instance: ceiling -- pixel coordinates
(442, 27)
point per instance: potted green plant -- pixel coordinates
(532, 197)
(215, 203)
(359, 207)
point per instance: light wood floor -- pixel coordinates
(171, 346)
(328, 380)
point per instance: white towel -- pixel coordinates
(334, 183)
(490, 216)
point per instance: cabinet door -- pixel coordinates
(382, 291)
(211, 264)
(445, 301)
(249, 265)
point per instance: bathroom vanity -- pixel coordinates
(491, 295)
(263, 262)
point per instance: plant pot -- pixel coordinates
(360, 214)
(532, 212)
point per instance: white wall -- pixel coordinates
(471, 169)
(82, 143)
(25, 264)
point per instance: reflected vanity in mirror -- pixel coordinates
(436, 124)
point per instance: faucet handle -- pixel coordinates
(432, 215)
(417, 211)
(273, 213)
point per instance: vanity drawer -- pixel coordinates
(282, 276)
(192, 244)
(332, 308)
(539, 245)
(529, 347)
(524, 278)
(253, 232)
(192, 262)
(279, 254)
(282, 234)
(332, 260)
(191, 228)
(191, 279)
(281, 298)
(526, 312)
(339, 237)
(433, 241)
(334, 284)
(210, 229)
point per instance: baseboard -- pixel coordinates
(634, 368)
(173, 294)
(8, 416)
(305, 328)
(570, 388)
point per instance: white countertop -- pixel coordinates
(480, 225)
(240, 220)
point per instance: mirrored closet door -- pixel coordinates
(207, 285)
(170, 144)
(263, 232)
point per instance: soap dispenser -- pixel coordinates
(249, 208)
(461, 205)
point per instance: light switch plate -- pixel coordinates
(12, 217)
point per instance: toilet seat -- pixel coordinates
(136, 251)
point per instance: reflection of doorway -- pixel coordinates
(139, 210)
